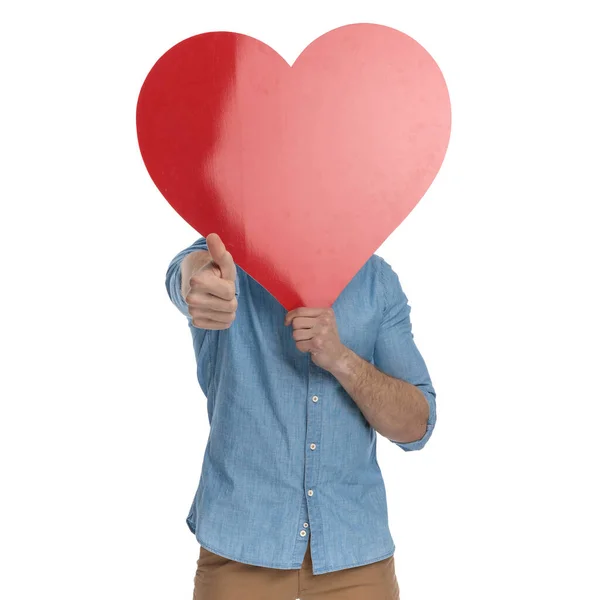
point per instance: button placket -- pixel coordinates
(313, 437)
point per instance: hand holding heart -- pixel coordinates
(315, 331)
(212, 305)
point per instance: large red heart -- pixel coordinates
(303, 171)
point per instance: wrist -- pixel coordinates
(345, 364)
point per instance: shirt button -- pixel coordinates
(313, 446)
(310, 492)
(315, 398)
(302, 532)
(305, 524)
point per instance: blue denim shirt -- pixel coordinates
(289, 454)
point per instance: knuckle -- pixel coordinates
(189, 299)
(196, 280)
(194, 301)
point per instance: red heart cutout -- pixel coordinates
(303, 171)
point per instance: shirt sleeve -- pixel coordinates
(396, 353)
(173, 276)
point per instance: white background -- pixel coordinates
(103, 425)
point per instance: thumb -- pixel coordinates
(221, 256)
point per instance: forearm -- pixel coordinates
(192, 262)
(395, 408)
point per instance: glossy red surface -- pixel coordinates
(303, 171)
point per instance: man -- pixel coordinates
(291, 502)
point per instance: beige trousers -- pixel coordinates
(219, 578)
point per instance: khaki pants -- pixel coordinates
(219, 578)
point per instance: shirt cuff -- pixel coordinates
(418, 444)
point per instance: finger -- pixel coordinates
(303, 311)
(303, 334)
(205, 323)
(210, 283)
(209, 302)
(223, 289)
(211, 315)
(304, 322)
(221, 256)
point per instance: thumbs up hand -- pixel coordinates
(211, 298)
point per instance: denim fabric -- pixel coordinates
(262, 489)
